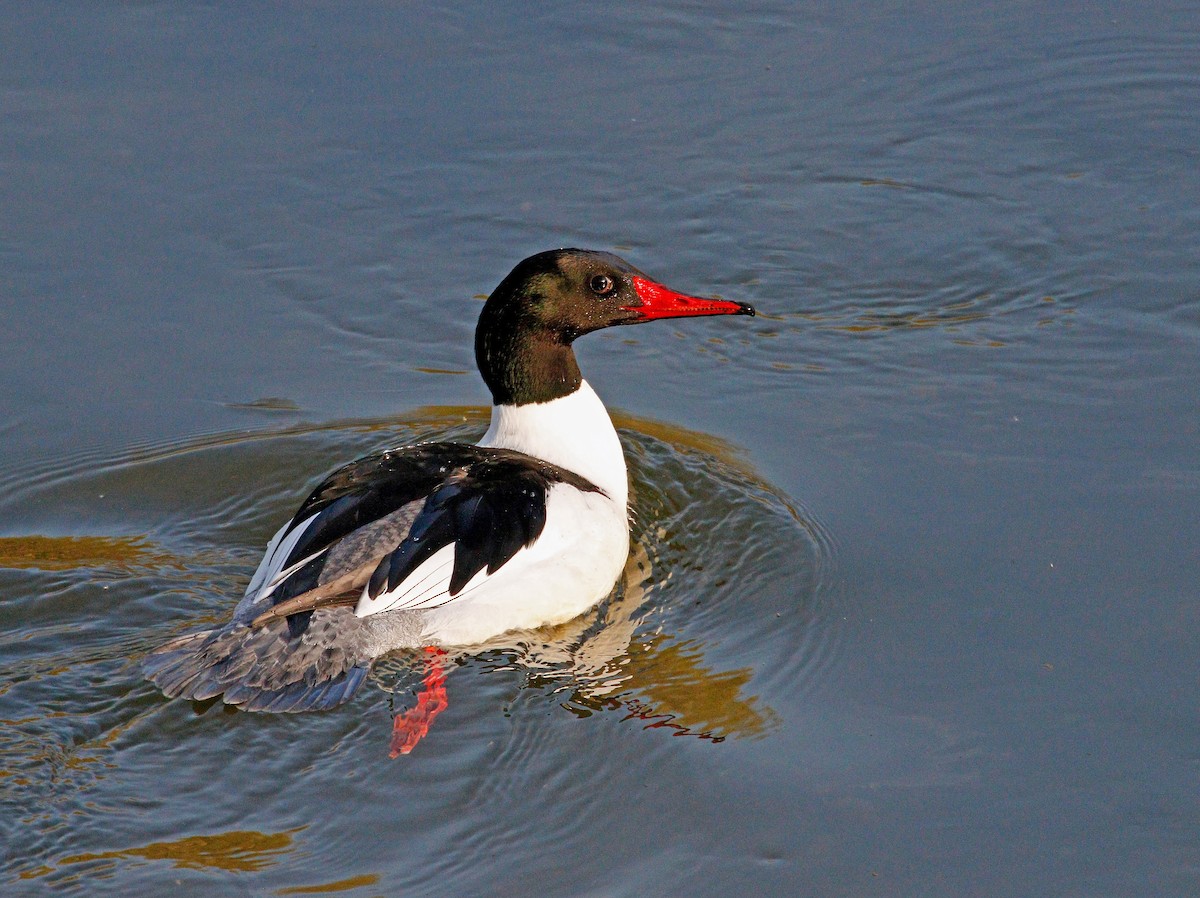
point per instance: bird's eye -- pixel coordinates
(601, 284)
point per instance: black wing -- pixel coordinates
(389, 512)
(371, 488)
(489, 510)
(357, 515)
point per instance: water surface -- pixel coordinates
(912, 602)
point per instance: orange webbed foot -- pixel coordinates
(410, 727)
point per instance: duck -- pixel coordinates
(443, 545)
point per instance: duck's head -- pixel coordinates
(523, 340)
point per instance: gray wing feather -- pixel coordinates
(265, 669)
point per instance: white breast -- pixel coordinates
(574, 432)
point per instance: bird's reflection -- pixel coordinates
(608, 660)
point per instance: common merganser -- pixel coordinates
(446, 544)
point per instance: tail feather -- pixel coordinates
(264, 668)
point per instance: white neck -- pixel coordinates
(573, 432)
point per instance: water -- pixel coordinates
(913, 597)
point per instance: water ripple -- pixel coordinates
(725, 603)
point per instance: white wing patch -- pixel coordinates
(270, 573)
(426, 587)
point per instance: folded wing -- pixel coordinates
(408, 529)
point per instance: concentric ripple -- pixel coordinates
(721, 604)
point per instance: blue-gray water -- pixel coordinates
(913, 608)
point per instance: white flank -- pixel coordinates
(569, 568)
